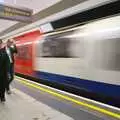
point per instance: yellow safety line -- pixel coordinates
(107, 112)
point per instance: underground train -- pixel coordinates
(84, 59)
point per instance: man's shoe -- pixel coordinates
(2, 99)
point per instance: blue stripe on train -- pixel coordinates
(91, 86)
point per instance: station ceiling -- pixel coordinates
(41, 9)
(35, 5)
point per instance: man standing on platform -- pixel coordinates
(10, 50)
(3, 71)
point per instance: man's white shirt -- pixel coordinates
(9, 54)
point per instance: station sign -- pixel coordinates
(15, 13)
(46, 28)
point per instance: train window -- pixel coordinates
(24, 52)
(107, 54)
(65, 45)
(55, 47)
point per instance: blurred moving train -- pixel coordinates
(83, 59)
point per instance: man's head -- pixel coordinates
(1, 43)
(9, 42)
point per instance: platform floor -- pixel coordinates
(30, 103)
(20, 106)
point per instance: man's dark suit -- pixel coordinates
(3, 72)
(11, 65)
